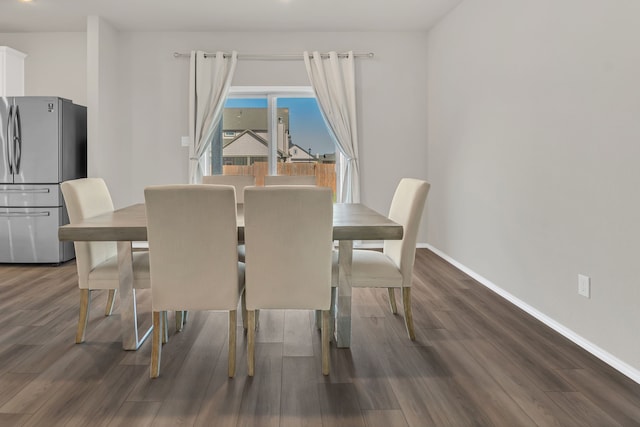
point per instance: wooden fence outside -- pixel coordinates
(325, 173)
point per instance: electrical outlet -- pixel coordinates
(584, 285)
(185, 141)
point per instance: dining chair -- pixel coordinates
(193, 236)
(288, 237)
(97, 262)
(289, 180)
(238, 181)
(393, 267)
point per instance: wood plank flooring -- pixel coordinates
(477, 361)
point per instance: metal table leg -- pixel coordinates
(129, 318)
(343, 320)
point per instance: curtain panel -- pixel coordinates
(209, 82)
(333, 81)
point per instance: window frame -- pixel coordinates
(271, 94)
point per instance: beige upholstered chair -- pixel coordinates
(289, 180)
(97, 262)
(393, 267)
(193, 237)
(288, 237)
(238, 181)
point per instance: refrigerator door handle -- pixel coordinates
(10, 139)
(17, 138)
(23, 214)
(24, 191)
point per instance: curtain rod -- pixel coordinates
(276, 56)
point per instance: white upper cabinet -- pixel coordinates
(11, 72)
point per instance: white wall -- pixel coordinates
(534, 141)
(109, 134)
(55, 64)
(390, 91)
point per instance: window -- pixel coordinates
(274, 130)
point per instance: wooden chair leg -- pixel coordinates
(408, 315)
(257, 321)
(179, 320)
(392, 300)
(243, 305)
(325, 342)
(232, 342)
(165, 327)
(251, 338)
(333, 312)
(156, 345)
(85, 301)
(111, 299)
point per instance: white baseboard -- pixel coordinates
(598, 352)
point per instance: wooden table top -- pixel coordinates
(350, 222)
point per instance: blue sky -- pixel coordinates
(306, 126)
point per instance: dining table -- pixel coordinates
(351, 222)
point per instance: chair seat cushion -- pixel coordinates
(105, 275)
(374, 269)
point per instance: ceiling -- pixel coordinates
(225, 15)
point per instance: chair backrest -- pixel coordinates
(289, 180)
(406, 209)
(193, 241)
(288, 234)
(86, 198)
(238, 181)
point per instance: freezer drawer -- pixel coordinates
(23, 195)
(31, 236)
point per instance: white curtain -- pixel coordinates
(333, 81)
(209, 82)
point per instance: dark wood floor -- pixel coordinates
(477, 360)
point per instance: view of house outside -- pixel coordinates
(304, 145)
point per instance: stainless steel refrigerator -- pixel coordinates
(43, 142)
